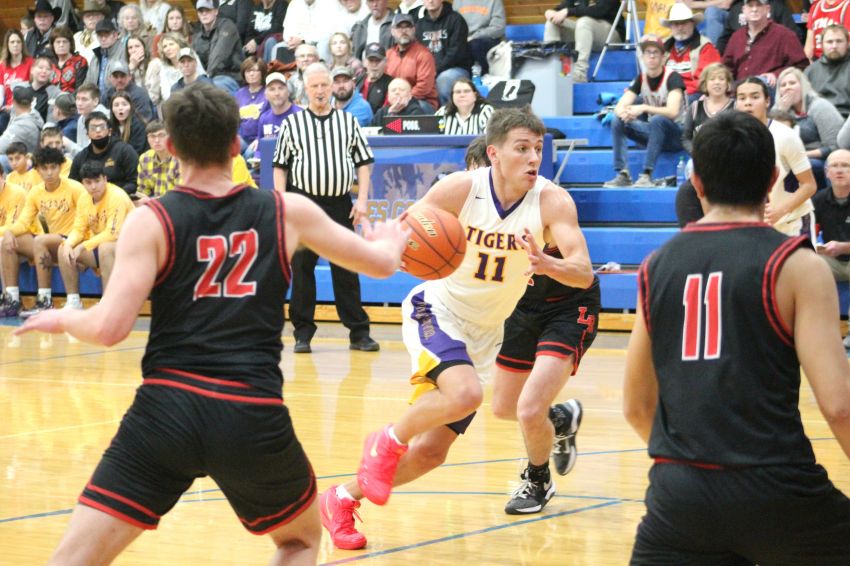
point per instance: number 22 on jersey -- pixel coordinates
(213, 250)
(694, 331)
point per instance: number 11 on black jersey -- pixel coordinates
(693, 328)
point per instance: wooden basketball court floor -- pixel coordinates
(61, 402)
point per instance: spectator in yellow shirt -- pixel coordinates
(91, 244)
(21, 173)
(154, 172)
(12, 199)
(55, 201)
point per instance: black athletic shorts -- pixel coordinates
(171, 436)
(770, 515)
(555, 328)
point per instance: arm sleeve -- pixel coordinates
(283, 149)
(635, 85)
(675, 81)
(456, 46)
(688, 128)
(226, 43)
(828, 121)
(426, 76)
(361, 153)
(129, 166)
(76, 163)
(78, 232)
(115, 215)
(496, 26)
(81, 71)
(28, 214)
(597, 11)
(153, 81)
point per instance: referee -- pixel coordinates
(316, 155)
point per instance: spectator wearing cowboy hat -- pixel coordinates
(86, 39)
(38, 38)
(688, 51)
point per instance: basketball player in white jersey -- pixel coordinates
(452, 327)
(785, 210)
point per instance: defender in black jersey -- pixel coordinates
(545, 339)
(214, 260)
(728, 311)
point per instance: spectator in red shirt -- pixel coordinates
(762, 48)
(15, 64)
(411, 61)
(72, 66)
(688, 52)
(822, 15)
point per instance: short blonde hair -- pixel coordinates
(711, 71)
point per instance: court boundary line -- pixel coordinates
(348, 475)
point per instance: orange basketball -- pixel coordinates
(436, 244)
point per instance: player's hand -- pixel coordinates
(536, 257)
(359, 213)
(67, 252)
(49, 321)
(773, 214)
(394, 232)
(77, 252)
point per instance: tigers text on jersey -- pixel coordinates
(491, 279)
(217, 304)
(728, 373)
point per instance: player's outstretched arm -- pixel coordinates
(140, 251)
(640, 386)
(376, 254)
(817, 337)
(560, 222)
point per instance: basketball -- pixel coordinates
(436, 244)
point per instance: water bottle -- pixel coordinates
(476, 80)
(681, 177)
(476, 70)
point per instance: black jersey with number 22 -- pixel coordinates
(217, 304)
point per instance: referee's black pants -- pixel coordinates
(346, 284)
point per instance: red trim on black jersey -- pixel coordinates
(124, 500)
(215, 380)
(168, 228)
(207, 196)
(768, 292)
(213, 394)
(280, 215)
(82, 499)
(643, 287)
(293, 510)
(701, 465)
(715, 227)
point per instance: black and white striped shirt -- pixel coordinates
(474, 125)
(321, 153)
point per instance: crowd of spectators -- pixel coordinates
(99, 75)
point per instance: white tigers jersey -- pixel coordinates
(491, 279)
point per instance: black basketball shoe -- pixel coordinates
(530, 496)
(567, 419)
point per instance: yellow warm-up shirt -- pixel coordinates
(24, 180)
(58, 207)
(101, 222)
(12, 198)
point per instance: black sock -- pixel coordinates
(539, 474)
